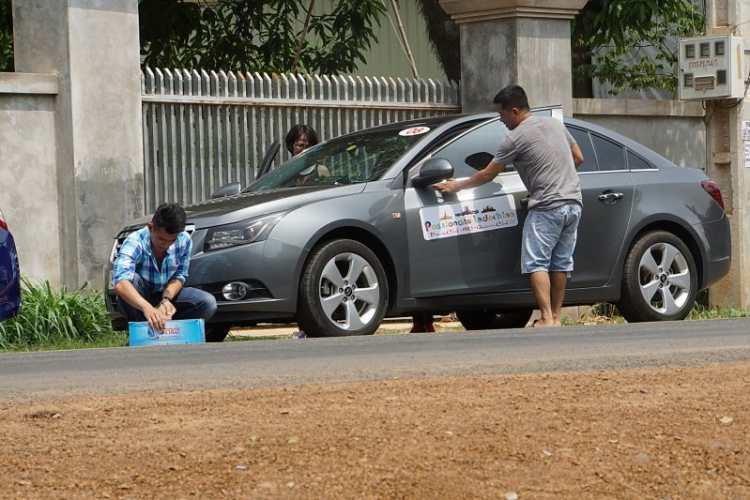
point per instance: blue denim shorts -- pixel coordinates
(549, 239)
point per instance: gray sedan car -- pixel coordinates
(338, 252)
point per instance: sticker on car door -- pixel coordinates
(468, 217)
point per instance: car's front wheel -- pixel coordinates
(487, 319)
(343, 291)
(659, 281)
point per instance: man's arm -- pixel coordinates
(156, 316)
(577, 154)
(177, 280)
(168, 294)
(487, 174)
(124, 271)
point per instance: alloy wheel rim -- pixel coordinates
(349, 291)
(664, 278)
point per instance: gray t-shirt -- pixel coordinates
(539, 147)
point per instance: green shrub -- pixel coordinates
(50, 317)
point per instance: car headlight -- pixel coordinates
(241, 233)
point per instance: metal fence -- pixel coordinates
(203, 130)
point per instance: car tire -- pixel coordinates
(217, 332)
(659, 281)
(343, 291)
(487, 319)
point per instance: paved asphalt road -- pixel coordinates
(298, 361)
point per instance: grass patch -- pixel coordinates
(250, 338)
(58, 319)
(607, 313)
(700, 313)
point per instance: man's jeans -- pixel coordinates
(190, 303)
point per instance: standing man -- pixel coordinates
(151, 269)
(546, 157)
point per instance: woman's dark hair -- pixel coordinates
(171, 217)
(298, 131)
(512, 96)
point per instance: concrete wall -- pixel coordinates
(519, 51)
(92, 47)
(28, 191)
(674, 129)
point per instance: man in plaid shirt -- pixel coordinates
(151, 269)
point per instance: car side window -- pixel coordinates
(611, 156)
(635, 162)
(584, 142)
(475, 150)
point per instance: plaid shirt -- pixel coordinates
(135, 256)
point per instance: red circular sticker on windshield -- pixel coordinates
(415, 131)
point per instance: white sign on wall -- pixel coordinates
(746, 130)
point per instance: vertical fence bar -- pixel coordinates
(147, 78)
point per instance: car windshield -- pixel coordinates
(354, 158)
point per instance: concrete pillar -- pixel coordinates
(726, 163)
(97, 120)
(524, 42)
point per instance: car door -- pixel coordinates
(607, 188)
(469, 242)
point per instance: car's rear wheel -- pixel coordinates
(343, 291)
(659, 281)
(217, 332)
(487, 319)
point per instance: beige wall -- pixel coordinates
(28, 190)
(91, 143)
(674, 129)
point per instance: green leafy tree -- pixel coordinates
(6, 35)
(445, 37)
(257, 35)
(634, 41)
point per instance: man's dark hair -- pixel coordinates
(512, 96)
(298, 131)
(171, 217)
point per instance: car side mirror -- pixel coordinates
(432, 171)
(227, 190)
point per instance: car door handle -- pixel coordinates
(610, 196)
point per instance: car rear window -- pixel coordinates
(635, 162)
(610, 156)
(584, 142)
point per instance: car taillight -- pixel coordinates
(2, 221)
(715, 191)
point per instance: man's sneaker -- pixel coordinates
(299, 335)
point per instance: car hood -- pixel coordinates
(231, 209)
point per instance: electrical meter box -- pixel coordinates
(711, 67)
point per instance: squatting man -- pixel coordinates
(151, 269)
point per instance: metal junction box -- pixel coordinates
(711, 67)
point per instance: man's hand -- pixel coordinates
(448, 187)
(156, 318)
(169, 309)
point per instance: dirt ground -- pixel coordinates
(661, 433)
